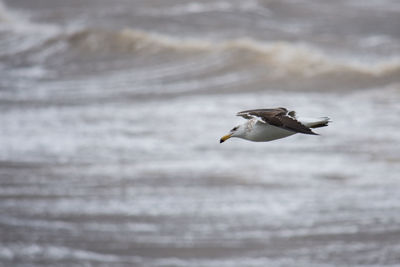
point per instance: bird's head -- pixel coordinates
(237, 131)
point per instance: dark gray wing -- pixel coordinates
(261, 113)
(279, 117)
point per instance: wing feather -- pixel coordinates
(279, 117)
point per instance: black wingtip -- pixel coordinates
(312, 133)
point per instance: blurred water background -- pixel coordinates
(111, 112)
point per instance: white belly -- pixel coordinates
(263, 132)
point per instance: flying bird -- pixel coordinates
(265, 125)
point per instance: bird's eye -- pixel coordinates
(234, 128)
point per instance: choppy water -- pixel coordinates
(111, 115)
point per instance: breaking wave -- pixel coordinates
(183, 62)
(283, 57)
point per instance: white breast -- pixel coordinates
(262, 132)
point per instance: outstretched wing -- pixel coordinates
(279, 117)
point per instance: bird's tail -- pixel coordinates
(315, 122)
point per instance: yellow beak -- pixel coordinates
(225, 137)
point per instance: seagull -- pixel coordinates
(265, 125)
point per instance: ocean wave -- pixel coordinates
(128, 40)
(272, 61)
(283, 57)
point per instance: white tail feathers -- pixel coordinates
(315, 122)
